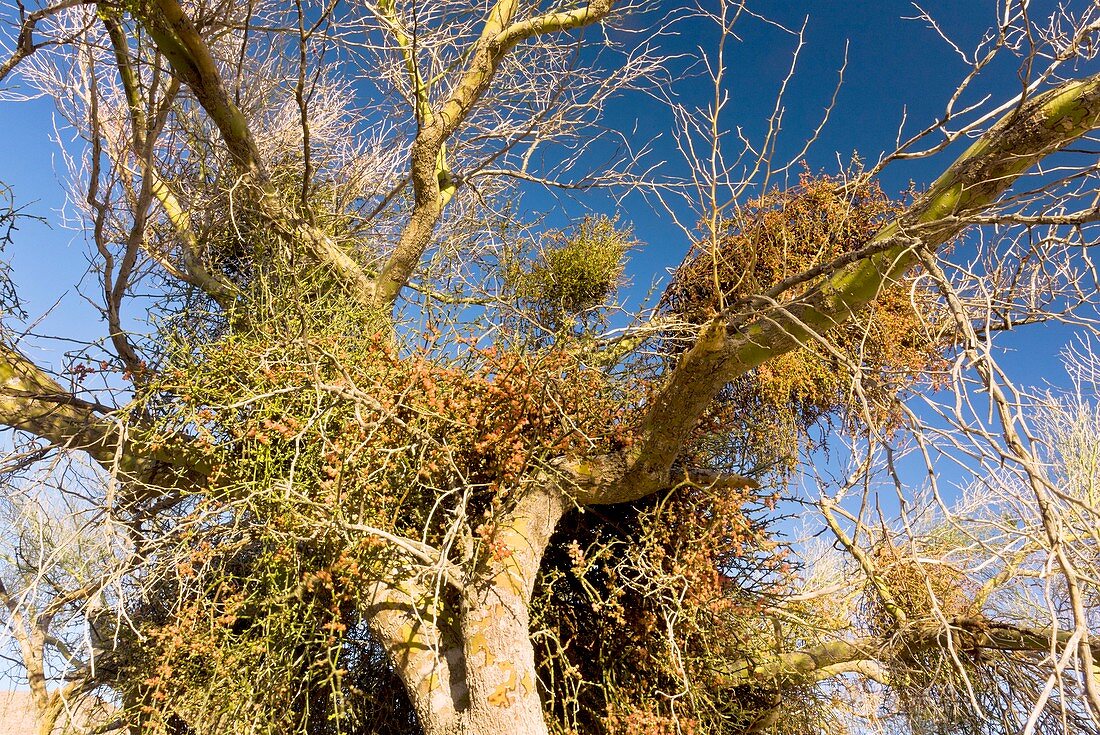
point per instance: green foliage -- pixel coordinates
(331, 429)
(250, 633)
(250, 615)
(574, 273)
(325, 426)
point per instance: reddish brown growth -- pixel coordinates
(922, 584)
(888, 346)
(638, 596)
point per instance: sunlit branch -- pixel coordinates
(721, 353)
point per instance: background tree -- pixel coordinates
(390, 456)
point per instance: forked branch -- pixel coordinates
(733, 344)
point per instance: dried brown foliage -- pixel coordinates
(640, 600)
(761, 248)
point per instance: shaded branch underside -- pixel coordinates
(33, 402)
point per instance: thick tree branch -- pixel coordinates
(31, 401)
(406, 45)
(732, 345)
(433, 185)
(190, 57)
(803, 665)
(499, 36)
(143, 134)
(868, 655)
(495, 615)
(426, 657)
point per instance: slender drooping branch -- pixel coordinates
(733, 344)
(25, 45)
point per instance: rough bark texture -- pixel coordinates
(469, 668)
(427, 657)
(495, 618)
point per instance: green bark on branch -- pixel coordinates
(733, 344)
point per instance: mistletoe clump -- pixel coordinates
(573, 274)
(866, 363)
(330, 437)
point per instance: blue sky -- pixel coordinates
(47, 259)
(894, 66)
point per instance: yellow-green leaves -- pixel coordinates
(575, 272)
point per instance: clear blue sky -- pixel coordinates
(893, 65)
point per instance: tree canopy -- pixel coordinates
(365, 443)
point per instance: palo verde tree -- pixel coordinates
(390, 456)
